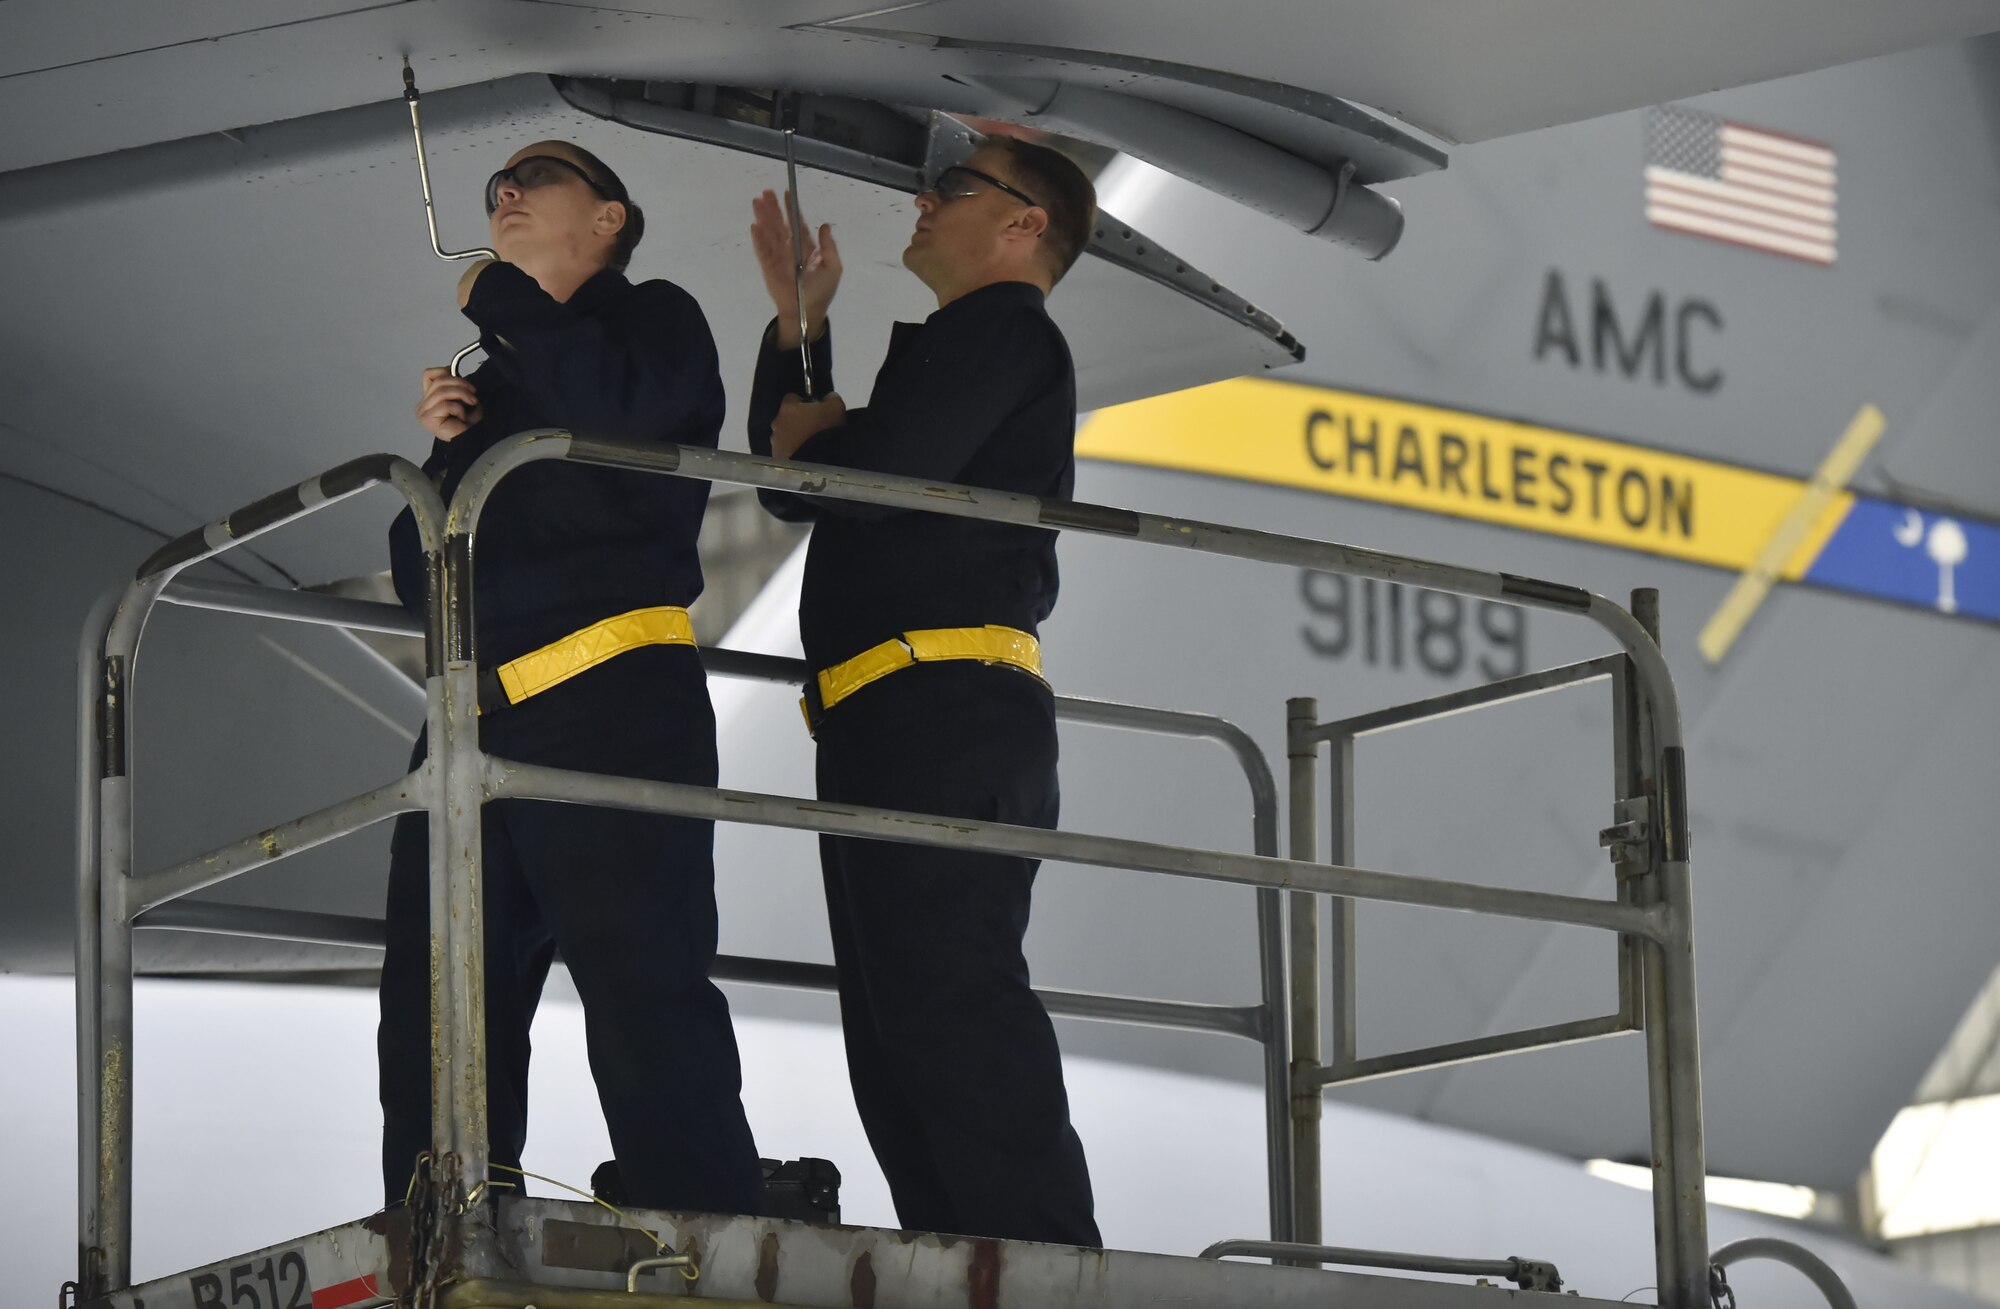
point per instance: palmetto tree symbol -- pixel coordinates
(1945, 543)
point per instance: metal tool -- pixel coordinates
(798, 252)
(410, 95)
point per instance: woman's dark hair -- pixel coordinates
(1061, 188)
(613, 188)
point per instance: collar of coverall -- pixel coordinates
(1000, 292)
(600, 287)
(603, 285)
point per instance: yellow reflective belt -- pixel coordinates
(558, 661)
(989, 645)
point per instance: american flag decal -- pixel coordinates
(1710, 177)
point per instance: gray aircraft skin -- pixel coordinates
(1841, 753)
(216, 283)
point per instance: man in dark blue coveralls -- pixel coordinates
(587, 662)
(928, 695)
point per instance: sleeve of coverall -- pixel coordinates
(968, 373)
(638, 382)
(779, 374)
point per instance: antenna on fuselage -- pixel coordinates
(411, 95)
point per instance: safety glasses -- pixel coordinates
(538, 171)
(959, 182)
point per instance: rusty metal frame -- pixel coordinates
(564, 1254)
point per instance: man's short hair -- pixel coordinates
(1061, 188)
(635, 221)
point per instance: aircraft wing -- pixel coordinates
(107, 76)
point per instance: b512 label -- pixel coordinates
(274, 1282)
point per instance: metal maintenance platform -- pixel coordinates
(463, 1241)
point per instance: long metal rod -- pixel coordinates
(113, 1173)
(1628, 786)
(411, 95)
(1673, 1042)
(1306, 1110)
(303, 926)
(1642, 778)
(114, 1070)
(1469, 1051)
(402, 796)
(1660, 1099)
(89, 944)
(1275, 985)
(779, 670)
(294, 606)
(1524, 687)
(1245, 1021)
(1340, 950)
(797, 224)
(1681, 1052)
(1638, 771)
(458, 957)
(508, 779)
(1354, 1257)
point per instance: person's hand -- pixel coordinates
(798, 421)
(470, 276)
(771, 238)
(450, 404)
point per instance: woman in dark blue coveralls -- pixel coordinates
(565, 550)
(922, 632)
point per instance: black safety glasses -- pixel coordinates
(538, 171)
(958, 182)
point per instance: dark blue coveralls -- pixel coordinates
(628, 898)
(953, 1060)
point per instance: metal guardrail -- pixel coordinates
(1651, 913)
